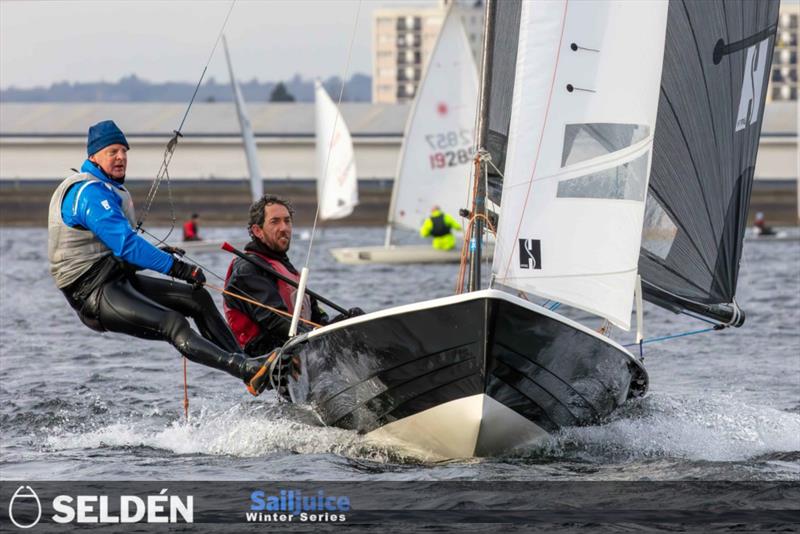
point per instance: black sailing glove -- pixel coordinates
(188, 273)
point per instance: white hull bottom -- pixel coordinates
(471, 426)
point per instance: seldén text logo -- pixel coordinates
(293, 505)
(25, 508)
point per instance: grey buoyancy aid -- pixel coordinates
(73, 251)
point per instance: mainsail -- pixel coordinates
(250, 150)
(337, 185)
(716, 69)
(583, 113)
(436, 157)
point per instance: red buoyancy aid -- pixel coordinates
(243, 327)
(189, 230)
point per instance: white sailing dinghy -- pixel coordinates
(570, 95)
(337, 184)
(437, 152)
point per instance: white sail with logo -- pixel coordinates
(583, 115)
(436, 156)
(337, 185)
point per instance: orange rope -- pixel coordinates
(256, 303)
(185, 392)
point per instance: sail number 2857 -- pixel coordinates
(452, 148)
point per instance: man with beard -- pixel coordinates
(257, 329)
(95, 255)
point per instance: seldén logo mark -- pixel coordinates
(25, 509)
(23, 506)
(755, 70)
(530, 254)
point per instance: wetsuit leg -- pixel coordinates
(194, 303)
(125, 310)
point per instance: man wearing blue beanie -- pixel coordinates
(95, 254)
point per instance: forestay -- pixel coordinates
(436, 157)
(579, 148)
(716, 69)
(337, 185)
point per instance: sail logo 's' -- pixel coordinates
(530, 254)
(755, 70)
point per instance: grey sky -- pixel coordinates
(42, 42)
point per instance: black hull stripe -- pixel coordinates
(400, 385)
(398, 366)
(538, 387)
(566, 384)
(420, 394)
(549, 424)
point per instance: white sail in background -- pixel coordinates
(256, 182)
(576, 173)
(337, 185)
(436, 157)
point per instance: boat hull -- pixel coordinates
(472, 375)
(399, 254)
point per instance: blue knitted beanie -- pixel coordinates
(102, 134)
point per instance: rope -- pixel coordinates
(481, 156)
(185, 392)
(673, 336)
(333, 131)
(256, 303)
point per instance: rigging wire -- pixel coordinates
(169, 151)
(333, 132)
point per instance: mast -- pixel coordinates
(250, 150)
(479, 202)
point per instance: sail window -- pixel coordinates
(659, 231)
(586, 141)
(626, 181)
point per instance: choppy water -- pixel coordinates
(77, 404)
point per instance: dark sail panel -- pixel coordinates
(503, 64)
(714, 82)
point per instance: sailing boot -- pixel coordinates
(256, 373)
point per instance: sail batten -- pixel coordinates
(714, 83)
(585, 97)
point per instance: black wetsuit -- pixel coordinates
(112, 297)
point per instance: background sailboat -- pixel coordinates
(437, 152)
(337, 184)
